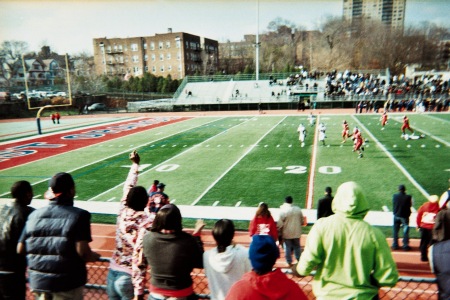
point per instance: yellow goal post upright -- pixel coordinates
(41, 108)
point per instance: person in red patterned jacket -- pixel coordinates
(263, 223)
(126, 277)
(425, 220)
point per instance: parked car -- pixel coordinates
(97, 106)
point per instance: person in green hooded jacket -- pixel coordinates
(351, 257)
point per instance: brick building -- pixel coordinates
(175, 53)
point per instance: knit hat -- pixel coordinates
(263, 253)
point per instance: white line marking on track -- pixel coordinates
(236, 162)
(395, 161)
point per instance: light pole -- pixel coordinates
(257, 41)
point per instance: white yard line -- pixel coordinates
(399, 166)
(179, 154)
(312, 168)
(236, 162)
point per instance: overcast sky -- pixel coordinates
(69, 26)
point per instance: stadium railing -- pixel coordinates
(417, 288)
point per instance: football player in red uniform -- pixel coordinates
(383, 119)
(406, 126)
(345, 131)
(358, 143)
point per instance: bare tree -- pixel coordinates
(10, 55)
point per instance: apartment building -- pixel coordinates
(175, 53)
(390, 12)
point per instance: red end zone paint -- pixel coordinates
(18, 153)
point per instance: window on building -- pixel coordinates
(153, 69)
(178, 43)
(153, 57)
(161, 56)
(179, 56)
(135, 70)
(167, 44)
(179, 68)
(146, 68)
(134, 47)
(161, 68)
(119, 48)
(145, 46)
(152, 45)
(169, 68)
(168, 56)
(160, 45)
(145, 57)
(135, 58)
(108, 49)
(187, 45)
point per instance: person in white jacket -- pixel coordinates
(226, 263)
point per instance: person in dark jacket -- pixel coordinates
(439, 253)
(13, 216)
(56, 241)
(172, 254)
(324, 206)
(402, 211)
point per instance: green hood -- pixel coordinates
(350, 201)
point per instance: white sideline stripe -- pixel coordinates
(429, 134)
(402, 169)
(179, 154)
(375, 218)
(102, 159)
(236, 162)
(312, 168)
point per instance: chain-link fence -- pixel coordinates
(416, 288)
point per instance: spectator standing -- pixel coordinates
(264, 283)
(263, 222)
(13, 216)
(172, 254)
(289, 225)
(441, 228)
(56, 241)
(324, 205)
(353, 259)
(426, 216)
(402, 211)
(126, 276)
(157, 199)
(57, 117)
(226, 263)
(53, 116)
(439, 253)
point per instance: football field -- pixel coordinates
(236, 161)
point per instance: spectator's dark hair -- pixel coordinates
(288, 199)
(20, 191)
(223, 233)
(328, 190)
(263, 210)
(155, 182)
(168, 218)
(137, 198)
